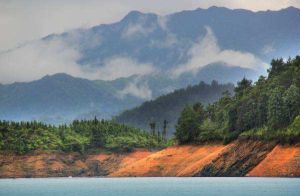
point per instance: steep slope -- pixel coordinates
(173, 161)
(239, 159)
(281, 161)
(169, 106)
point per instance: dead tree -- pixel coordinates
(152, 128)
(164, 133)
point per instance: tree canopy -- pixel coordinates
(80, 136)
(265, 109)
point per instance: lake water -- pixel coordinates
(149, 186)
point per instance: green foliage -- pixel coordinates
(293, 130)
(242, 87)
(290, 134)
(80, 136)
(292, 101)
(188, 127)
(295, 126)
(265, 110)
(169, 106)
(276, 110)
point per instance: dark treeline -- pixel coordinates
(268, 109)
(168, 107)
(80, 136)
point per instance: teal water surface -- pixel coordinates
(149, 186)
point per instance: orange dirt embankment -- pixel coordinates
(281, 161)
(237, 160)
(173, 161)
(65, 164)
(240, 158)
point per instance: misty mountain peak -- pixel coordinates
(57, 76)
(165, 52)
(133, 16)
(292, 8)
(217, 8)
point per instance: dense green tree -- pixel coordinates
(80, 136)
(292, 101)
(277, 66)
(242, 87)
(263, 110)
(188, 127)
(276, 110)
(232, 119)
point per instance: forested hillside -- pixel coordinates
(165, 110)
(268, 109)
(61, 98)
(79, 136)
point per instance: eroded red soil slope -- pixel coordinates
(281, 161)
(173, 161)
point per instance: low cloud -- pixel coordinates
(37, 59)
(137, 29)
(81, 38)
(118, 67)
(137, 89)
(170, 38)
(207, 51)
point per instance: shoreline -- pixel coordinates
(237, 159)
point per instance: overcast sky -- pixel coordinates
(21, 21)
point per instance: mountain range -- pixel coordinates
(139, 58)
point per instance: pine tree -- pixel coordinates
(276, 111)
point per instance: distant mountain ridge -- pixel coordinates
(254, 29)
(60, 98)
(144, 56)
(165, 42)
(168, 107)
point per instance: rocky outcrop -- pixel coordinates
(238, 159)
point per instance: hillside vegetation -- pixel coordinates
(67, 98)
(268, 109)
(168, 107)
(79, 136)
